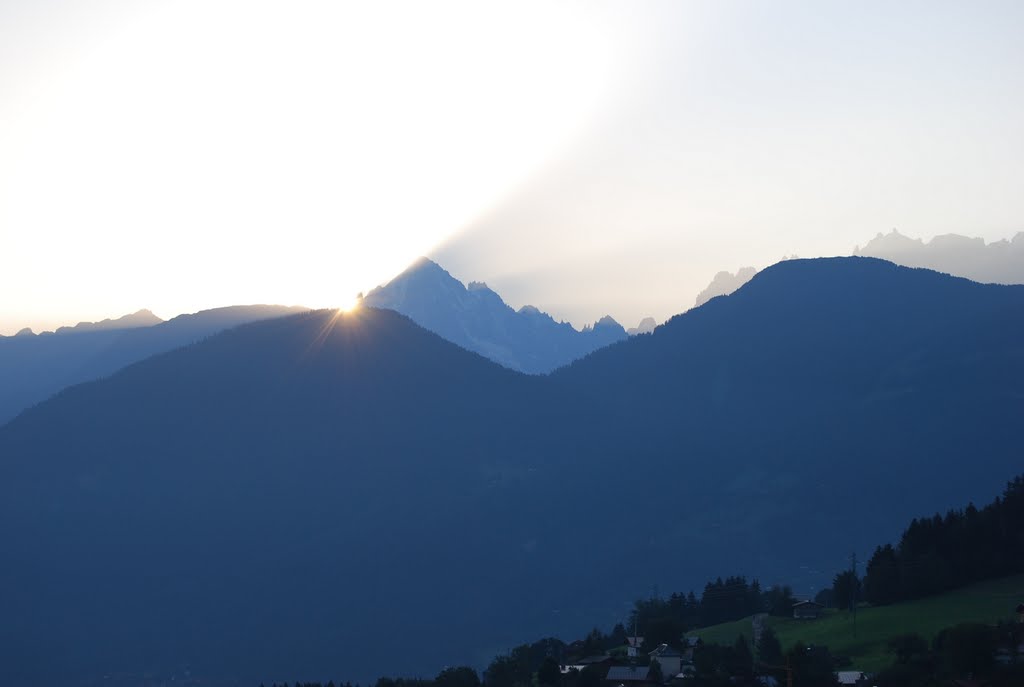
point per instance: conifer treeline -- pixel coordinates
(941, 553)
(934, 555)
(665, 620)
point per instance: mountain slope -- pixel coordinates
(478, 320)
(296, 497)
(281, 476)
(35, 367)
(987, 602)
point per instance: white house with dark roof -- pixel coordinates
(670, 660)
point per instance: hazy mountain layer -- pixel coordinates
(141, 318)
(725, 283)
(1000, 262)
(34, 368)
(294, 499)
(646, 326)
(477, 319)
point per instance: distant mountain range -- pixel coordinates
(142, 318)
(272, 501)
(477, 319)
(646, 326)
(1000, 262)
(34, 367)
(725, 283)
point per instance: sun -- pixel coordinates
(373, 132)
(352, 306)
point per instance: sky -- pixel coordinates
(588, 158)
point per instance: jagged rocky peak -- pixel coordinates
(475, 317)
(999, 262)
(724, 283)
(646, 326)
(607, 321)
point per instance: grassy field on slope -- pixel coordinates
(865, 642)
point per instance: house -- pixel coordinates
(633, 645)
(585, 662)
(628, 676)
(670, 660)
(852, 678)
(807, 610)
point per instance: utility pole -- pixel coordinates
(853, 595)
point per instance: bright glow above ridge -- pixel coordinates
(200, 154)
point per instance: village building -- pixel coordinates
(628, 676)
(852, 678)
(807, 610)
(670, 660)
(585, 662)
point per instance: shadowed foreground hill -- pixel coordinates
(296, 498)
(245, 505)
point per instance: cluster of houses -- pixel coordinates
(676, 664)
(673, 664)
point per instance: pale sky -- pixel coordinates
(589, 158)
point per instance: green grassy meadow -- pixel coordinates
(865, 639)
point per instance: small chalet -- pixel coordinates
(852, 678)
(670, 660)
(807, 610)
(628, 676)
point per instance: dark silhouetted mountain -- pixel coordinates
(1000, 262)
(298, 497)
(476, 318)
(725, 283)
(646, 326)
(142, 318)
(34, 368)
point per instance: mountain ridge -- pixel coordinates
(35, 367)
(314, 477)
(476, 318)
